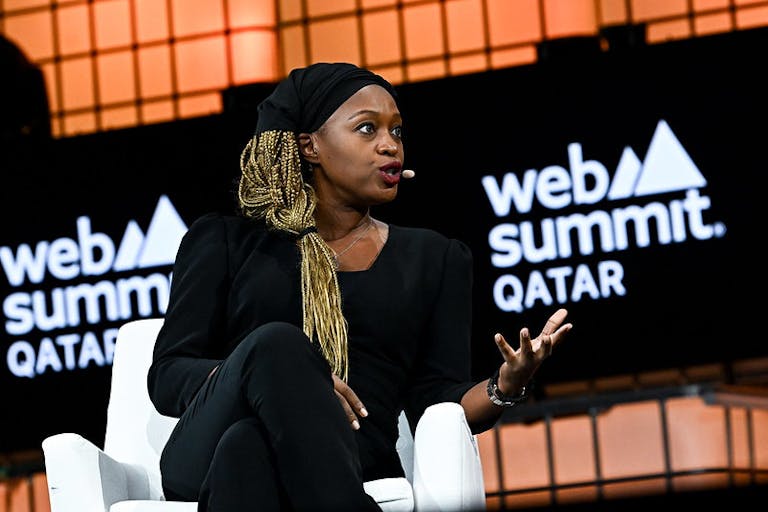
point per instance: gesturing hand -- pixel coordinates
(349, 401)
(520, 365)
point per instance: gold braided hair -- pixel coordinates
(272, 188)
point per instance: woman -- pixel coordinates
(297, 330)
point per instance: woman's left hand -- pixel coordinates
(520, 365)
(349, 402)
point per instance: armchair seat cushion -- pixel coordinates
(392, 494)
(154, 506)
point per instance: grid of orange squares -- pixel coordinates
(118, 63)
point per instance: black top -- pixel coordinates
(409, 319)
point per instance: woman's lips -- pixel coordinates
(390, 179)
(391, 173)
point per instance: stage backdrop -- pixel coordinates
(624, 187)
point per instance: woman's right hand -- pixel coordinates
(349, 402)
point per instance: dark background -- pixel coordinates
(690, 303)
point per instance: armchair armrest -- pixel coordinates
(83, 478)
(447, 474)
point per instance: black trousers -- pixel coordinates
(266, 433)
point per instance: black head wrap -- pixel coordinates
(307, 97)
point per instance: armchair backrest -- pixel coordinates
(136, 433)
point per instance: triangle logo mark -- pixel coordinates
(667, 166)
(164, 235)
(626, 175)
(128, 253)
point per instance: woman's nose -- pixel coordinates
(388, 147)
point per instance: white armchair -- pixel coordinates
(442, 465)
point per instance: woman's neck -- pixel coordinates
(336, 224)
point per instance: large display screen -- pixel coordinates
(90, 232)
(622, 186)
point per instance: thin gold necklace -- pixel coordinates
(338, 255)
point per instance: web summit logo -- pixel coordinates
(77, 283)
(667, 169)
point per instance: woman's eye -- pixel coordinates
(366, 128)
(397, 131)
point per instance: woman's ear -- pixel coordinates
(307, 148)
